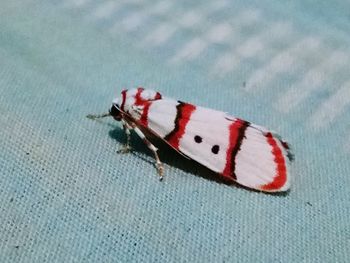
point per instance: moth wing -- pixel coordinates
(160, 119)
(256, 158)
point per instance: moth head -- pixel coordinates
(115, 110)
(128, 98)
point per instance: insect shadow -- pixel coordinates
(170, 157)
(166, 154)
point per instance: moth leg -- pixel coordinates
(159, 165)
(127, 147)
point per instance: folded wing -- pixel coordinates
(249, 154)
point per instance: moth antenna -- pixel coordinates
(97, 116)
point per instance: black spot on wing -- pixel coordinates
(215, 149)
(198, 139)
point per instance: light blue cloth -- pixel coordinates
(66, 196)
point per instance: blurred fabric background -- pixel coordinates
(66, 196)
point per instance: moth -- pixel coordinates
(238, 150)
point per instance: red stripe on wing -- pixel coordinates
(146, 103)
(237, 130)
(184, 112)
(281, 170)
(138, 99)
(123, 99)
(144, 115)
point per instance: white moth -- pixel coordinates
(249, 154)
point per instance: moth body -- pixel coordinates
(249, 154)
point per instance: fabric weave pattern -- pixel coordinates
(66, 196)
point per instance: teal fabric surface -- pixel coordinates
(66, 196)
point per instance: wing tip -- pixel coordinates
(277, 185)
(263, 162)
(282, 151)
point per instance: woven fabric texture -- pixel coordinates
(67, 196)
